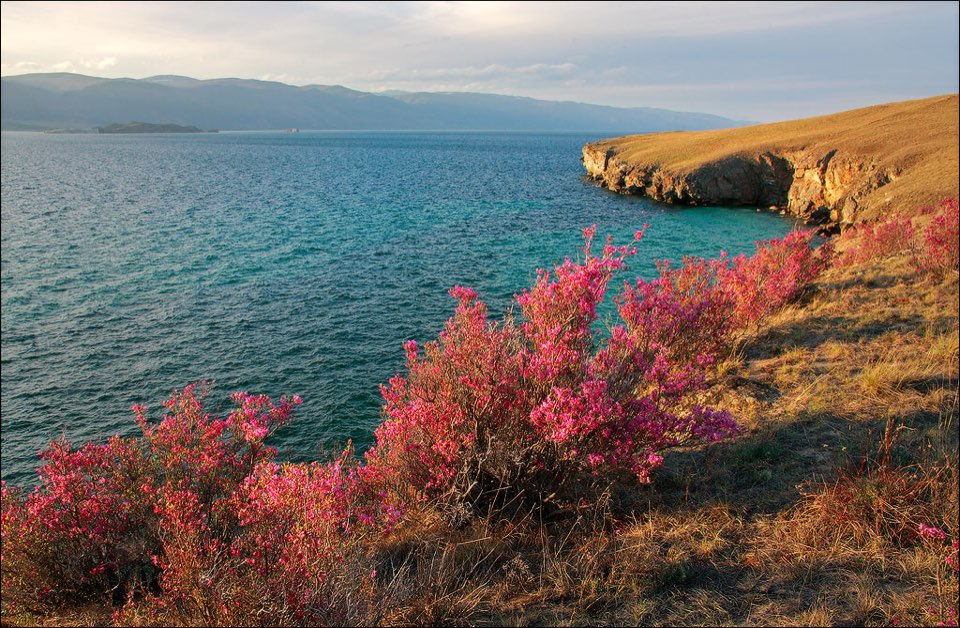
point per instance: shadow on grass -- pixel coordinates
(812, 332)
(757, 476)
(930, 384)
(759, 472)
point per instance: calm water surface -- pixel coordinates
(279, 263)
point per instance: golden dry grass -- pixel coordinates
(917, 139)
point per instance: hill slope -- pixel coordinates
(38, 101)
(839, 169)
(809, 518)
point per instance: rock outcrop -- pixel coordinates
(818, 189)
(830, 171)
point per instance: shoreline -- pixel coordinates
(832, 171)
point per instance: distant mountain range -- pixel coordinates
(61, 100)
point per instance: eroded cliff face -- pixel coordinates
(823, 189)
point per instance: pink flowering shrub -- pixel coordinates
(81, 530)
(773, 277)
(936, 250)
(292, 527)
(200, 462)
(939, 539)
(543, 406)
(194, 513)
(194, 518)
(878, 240)
(686, 311)
(939, 249)
(696, 310)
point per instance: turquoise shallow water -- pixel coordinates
(279, 263)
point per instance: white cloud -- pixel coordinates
(624, 53)
(98, 64)
(490, 71)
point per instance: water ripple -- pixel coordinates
(278, 263)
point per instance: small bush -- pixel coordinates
(82, 532)
(878, 240)
(539, 409)
(686, 311)
(934, 251)
(939, 250)
(194, 515)
(545, 408)
(776, 275)
(876, 498)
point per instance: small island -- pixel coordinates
(68, 131)
(146, 127)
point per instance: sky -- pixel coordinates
(749, 61)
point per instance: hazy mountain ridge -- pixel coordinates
(39, 101)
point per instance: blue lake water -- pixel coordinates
(279, 263)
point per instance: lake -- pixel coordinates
(280, 263)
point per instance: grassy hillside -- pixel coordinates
(915, 141)
(814, 516)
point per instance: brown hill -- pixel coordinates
(841, 168)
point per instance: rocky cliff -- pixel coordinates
(831, 171)
(818, 189)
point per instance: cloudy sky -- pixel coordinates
(756, 61)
